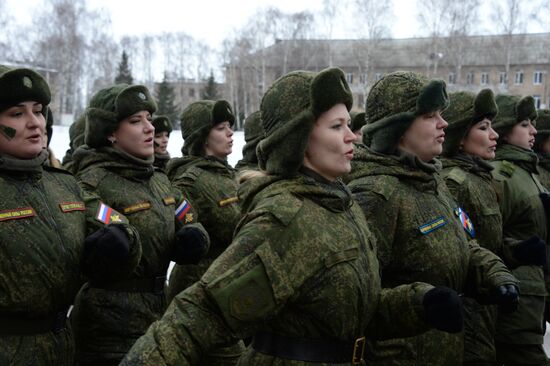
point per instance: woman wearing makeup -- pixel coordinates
(116, 165)
(422, 233)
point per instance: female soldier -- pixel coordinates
(520, 335)
(418, 226)
(253, 134)
(43, 223)
(117, 166)
(301, 275)
(163, 128)
(470, 142)
(542, 146)
(204, 176)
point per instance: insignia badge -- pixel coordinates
(17, 213)
(228, 201)
(72, 206)
(142, 96)
(106, 214)
(182, 209)
(141, 206)
(27, 82)
(169, 201)
(188, 218)
(432, 225)
(465, 221)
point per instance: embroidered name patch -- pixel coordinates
(169, 201)
(228, 201)
(432, 225)
(182, 209)
(465, 221)
(137, 207)
(18, 213)
(72, 206)
(106, 214)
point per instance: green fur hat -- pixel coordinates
(357, 120)
(111, 105)
(465, 110)
(162, 124)
(77, 130)
(253, 134)
(289, 110)
(513, 109)
(543, 128)
(21, 85)
(198, 119)
(394, 102)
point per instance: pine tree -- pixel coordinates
(210, 90)
(124, 74)
(166, 101)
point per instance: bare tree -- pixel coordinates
(329, 14)
(433, 16)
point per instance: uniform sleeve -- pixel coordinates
(400, 312)
(98, 215)
(486, 272)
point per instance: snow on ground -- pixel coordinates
(60, 144)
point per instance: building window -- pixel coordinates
(519, 77)
(452, 78)
(349, 78)
(503, 79)
(484, 78)
(192, 93)
(537, 77)
(537, 101)
(377, 76)
(470, 78)
(363, 78)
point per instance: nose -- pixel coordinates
(229, 131)
(34, 121)
(148, 126)
(533, 130)
(493, 135)
(441, 123)
(349, 136)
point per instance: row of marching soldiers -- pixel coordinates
(421, 242)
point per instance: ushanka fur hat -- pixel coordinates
(513, 109)
(466, 109)
(289, 110)
(22, 85)
(357, 120)
(543, 128)
(253, 134)
(198, 119)
(162, 124)
(394, 102)
(109, 106)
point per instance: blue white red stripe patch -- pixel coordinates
(104, 213)
(182, 209)
(465, 221)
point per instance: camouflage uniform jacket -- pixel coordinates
(544, 170)
(523, 216)
(420, 238)
(44, 219)
(107, 321)
(470, 182)
(161, 160)
(209, 184)
(302, 264)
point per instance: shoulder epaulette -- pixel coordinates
(507, 168)
(385, 186)
(457, 175)
(50, 168)
(92, 177)
(283, 207)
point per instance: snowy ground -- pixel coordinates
(60, 144)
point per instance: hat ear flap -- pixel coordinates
(222, 112)
(385, 138)
(99, 125)
(485, 105)
(329, 88)
(526, 109)
(433, 97)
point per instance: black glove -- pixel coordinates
(443, 309)
(507, 298)
(109, 241)
(531, 251)
(190, 246)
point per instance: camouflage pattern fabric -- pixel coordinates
(523, 216)
(253, 134)
(44, 218)
(544, 170)
(210, 186)
(420, 238)
(107, 322)
(302, 264)
(470, 182)
(161, 160)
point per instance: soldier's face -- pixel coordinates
(330, 146)
(425, 136)
(22, 130)
(161, 142)
(135, 135)
(481, 140)
(522, 135)
(219, 142)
